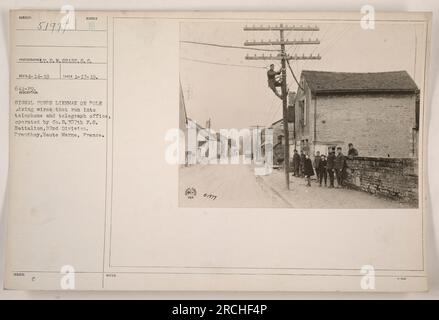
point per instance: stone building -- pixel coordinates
(377, 112)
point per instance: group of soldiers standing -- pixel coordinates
(332, 166)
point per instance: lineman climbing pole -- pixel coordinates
(282, 42)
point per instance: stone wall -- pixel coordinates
(394, 178)
(379, 125)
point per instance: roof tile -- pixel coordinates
(345, 82)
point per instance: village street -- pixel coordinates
(236, 185)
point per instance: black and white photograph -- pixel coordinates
(301, 114)
(278, 151)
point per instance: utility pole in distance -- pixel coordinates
(252, 136)
(283, 57)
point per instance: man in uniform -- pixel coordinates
(352, 151)
(296, 163)
(317, 164)
(339, 166)
(330, 167)
(273, 83)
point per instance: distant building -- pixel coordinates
(182, 111)
(183, 126)
(279, 141)
(208, 144)
(278, 147)
(202, 136)
(377, 112)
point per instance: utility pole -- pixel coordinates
(285, 111)
(251, 139)
(283, 57)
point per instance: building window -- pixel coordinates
(279, 138)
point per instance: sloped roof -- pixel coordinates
(347, 82)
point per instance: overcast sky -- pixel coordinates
(233, 91)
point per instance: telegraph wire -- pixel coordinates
(226, 46)
(311, 65)
(341, 35)
(274, 115)
(323, 37)
(294, 76)
(221, 63)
